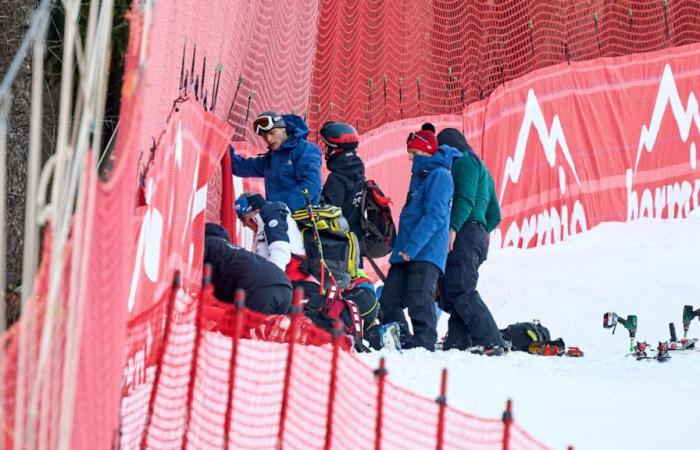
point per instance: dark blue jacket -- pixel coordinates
(296, 165)
(236, 268)
(425, 218)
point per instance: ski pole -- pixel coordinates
(317, 238)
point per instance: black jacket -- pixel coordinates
(236, 268)
(344, 187)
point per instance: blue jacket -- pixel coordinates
(296, 165)
(425, 218)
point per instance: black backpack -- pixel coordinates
(378, 230)
(522, 334)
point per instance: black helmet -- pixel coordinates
(339, 136)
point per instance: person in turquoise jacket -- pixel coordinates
(291, 163)
(475, 213)
(420, 250)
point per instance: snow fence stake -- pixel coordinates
(337, 334)
(296, 313)
(507, 421)
(442, 403)
(166, 338)
(238, 313)
(226, 212)
(206, 291)
(380, 375)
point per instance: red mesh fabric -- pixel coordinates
(377, 61)
(385, 67)
(522, 440)
(194, 390)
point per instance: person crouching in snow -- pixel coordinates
(267, 288)
(420, 251)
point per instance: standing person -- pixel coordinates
(420, 251)
(291, 163)
(475, 213)
(346, 179)
(267, 288)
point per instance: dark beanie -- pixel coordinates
(427, 126)
(216, 230)
(455, 139)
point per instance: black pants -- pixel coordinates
(471, 322)
(412, 285)
(275, 299)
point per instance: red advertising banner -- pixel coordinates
(572, 146)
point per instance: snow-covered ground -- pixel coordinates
(603, 400)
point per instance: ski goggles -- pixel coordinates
(413, 136)
(266, 122)
(244, 205)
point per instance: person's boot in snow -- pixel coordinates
(487, 351)
(386, 336)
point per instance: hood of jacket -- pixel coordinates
(296, 130)
(455, 139)
(444, 157)
(348, 164)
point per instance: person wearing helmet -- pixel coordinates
(291, 163)
(346, 180)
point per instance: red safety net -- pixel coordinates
(229, 388)
(151, 362)
(378, 61)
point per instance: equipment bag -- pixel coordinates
(329, 220)
(340, 253)
(522, 334)
(378, 230)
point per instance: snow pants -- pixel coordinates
(412, 285)
(471, 322)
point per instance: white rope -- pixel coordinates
(4, 112)
(67, 187)
(76, 313)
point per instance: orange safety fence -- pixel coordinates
(152, 370)
(230, 389)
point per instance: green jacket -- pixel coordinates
(474, 194)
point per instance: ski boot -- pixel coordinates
(662, 352)
(495, 350)
(390, 336)
(640, 351)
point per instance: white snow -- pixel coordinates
(603, 400)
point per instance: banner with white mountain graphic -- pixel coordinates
(572, 146)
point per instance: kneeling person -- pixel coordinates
(277, 236)
(267, 288)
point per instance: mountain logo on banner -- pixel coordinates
(668, 95)
(550, 137)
